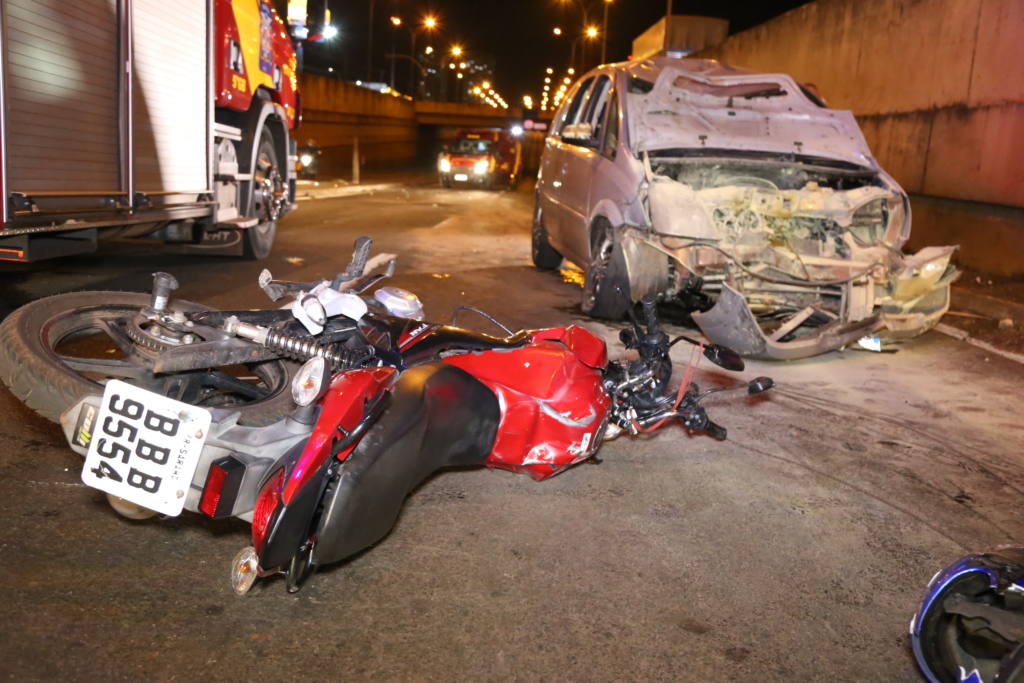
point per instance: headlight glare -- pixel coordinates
(481, 166)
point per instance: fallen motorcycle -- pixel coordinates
(970, 625)
(176, 406)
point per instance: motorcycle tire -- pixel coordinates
(36, 374)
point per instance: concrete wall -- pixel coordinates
(938, 89)
(938, 85)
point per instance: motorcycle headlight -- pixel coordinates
(310, 382)
(306, 159)
(481, 166)
(444, 166)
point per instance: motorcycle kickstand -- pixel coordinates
(300, 568)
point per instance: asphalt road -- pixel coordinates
(795, 550)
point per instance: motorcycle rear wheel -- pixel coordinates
(56, 350)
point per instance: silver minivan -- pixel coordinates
(739, 195)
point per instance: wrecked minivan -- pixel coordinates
(738, 195)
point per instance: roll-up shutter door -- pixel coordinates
(62, 104)
(170, 95)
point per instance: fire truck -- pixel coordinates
(168, 121)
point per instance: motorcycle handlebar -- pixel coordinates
(716, 431)
(650, 314)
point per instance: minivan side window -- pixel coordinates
(596, 106)
(611, 132)
(572, 112)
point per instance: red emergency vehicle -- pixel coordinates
(485, 157)
(144, 119)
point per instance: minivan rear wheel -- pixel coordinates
(545, 257)
(605, 282)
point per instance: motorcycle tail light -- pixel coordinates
(266, 504)
(221, 488)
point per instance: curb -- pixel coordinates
(305, 194)
(983, 304)
(960, 335)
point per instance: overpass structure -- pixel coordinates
(459, 114)
(385, 128)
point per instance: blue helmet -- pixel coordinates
(970, 626)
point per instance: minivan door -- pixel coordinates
(558, 219)
(582, 164)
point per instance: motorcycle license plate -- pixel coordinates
(145, 447)
(461, 177)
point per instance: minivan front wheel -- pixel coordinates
(605, 282)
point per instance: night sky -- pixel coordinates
(516, 34)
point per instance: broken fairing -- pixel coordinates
(779, 214)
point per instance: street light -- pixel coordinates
(557, 31)
(395, 23)
(429, 23)
(590, 32)
(456, 50)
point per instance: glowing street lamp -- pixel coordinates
(557, 31)
(456, 51)
(591, 32)
(396, 21)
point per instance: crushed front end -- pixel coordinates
(799, 255)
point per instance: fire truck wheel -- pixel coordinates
(269, 199)
(56, 350)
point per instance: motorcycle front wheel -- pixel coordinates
(56, 350)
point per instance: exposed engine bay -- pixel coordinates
(783, 256)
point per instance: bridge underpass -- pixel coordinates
(390, 130)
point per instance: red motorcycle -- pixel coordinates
(381, 401)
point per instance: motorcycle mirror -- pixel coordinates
(724, 357)
(759, 385)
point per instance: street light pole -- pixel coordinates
(395, 23)
(369, 46)
(604, 31)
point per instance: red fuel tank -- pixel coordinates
(553, 405)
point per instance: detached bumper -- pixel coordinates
(731, 323)
(910, 303)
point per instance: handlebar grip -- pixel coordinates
(650, 313)
(716, 431)
(360, 254)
